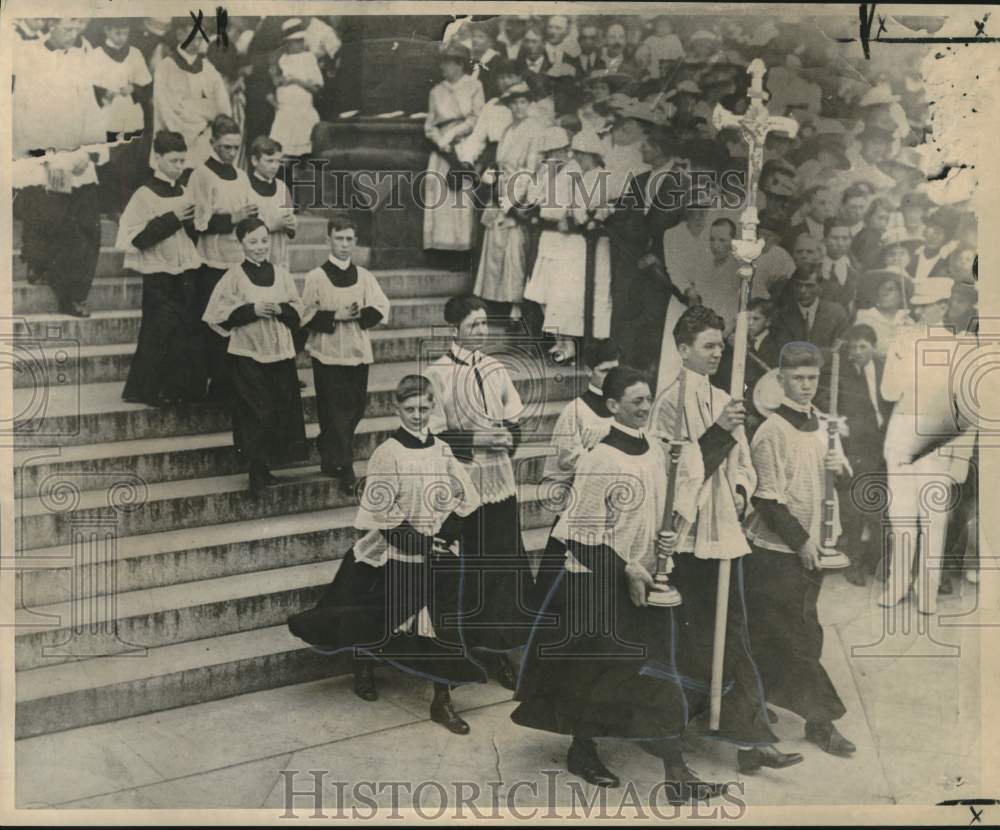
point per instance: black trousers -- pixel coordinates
(743, 716)
(855, 516)
(62, 239)
(341, 397)
(214, 346)
(126, 169)
(786, 635)
(168, 360)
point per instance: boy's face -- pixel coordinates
(800, 383)
(860, 352)
(171, 165)
(756, 322)
(227, 147)
(705, 353)
(600, 372)
(65, 32)
(414, 412)
(342, 242)
(823, 205)
(257, 244)
(720, 242)
(117, 36)
(266, 165)
(632, 408)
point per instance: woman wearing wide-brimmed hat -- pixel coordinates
(503, 262)
(452, 110)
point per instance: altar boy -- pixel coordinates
(342, 303)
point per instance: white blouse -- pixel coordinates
(266, 339)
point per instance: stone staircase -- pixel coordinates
(148, 578)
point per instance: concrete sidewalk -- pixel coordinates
(912, 697)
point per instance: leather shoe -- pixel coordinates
(364, 684)
(502, 671)
(683, 786)
(443, 712)
(582, 760)
(945, 588)
(827, 738)
(751, 760)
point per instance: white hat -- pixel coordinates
(931, 290)
(587, 141)
(293, 28)
(703, 34)
(878, 94)
(554, 138)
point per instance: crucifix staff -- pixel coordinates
(754, 125)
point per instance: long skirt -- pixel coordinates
(597, 666)
(268, 424)
(502, 265)
(364, 606)
(168, 360)
(787, 636)
(214, 345)
(449, 215)
(743, 716)
(497, 584)
(558, 282)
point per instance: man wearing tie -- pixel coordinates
(866, 414)
(806, 317)
(838, 268)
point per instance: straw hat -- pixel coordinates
(643, 112)
(587, 141)
(554, 138)
(878, 94)
(931, 290)
(293, 29)
(454, 51)
(518, 90)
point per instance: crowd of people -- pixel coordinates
(580, 178)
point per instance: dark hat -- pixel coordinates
(454, 51)
(519, 90)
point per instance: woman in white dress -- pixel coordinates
(503, 263)
(452, 111)
(297, 78)
(558, 281)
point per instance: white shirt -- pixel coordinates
(923, 264)
(869, 373)
(837, 267)
(809, 313)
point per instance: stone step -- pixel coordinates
(101, 689)
(155, 460)
(311, 229)
(302, 256)
(68, 414)
(124, 290)
(46, 361)
(127, 506)
(49, 635)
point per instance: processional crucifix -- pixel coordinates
(754, 125)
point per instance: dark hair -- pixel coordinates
(248, 225)
(340, 222)
(621, 378)
(166, 141)
(693, 322)
(412, 386)
(763, 304)
(597, 352)
(224, 125)
(264, 145)
(798, 353)
(458, 308)
(862, 331)
(853, 192)
(728, 222)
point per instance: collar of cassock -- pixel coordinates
(626, 439)
(594, 398)
(117, 55)
(342, 273)
(262, 186)
(412, 440)
(260, 273)
(220, 168)
(163, 187)
(803, 418)
(186, 62)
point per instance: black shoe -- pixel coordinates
(772, 716)
(582, 760)
(74, 309)
(364, 683)
(443, 712)
(751, 760)
(502, 671)
(347, 481)
(302, 384)
(946, 588)
(827, 738)
(683, 786)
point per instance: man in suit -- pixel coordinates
(838, 270)
(762, 355)
(558, 48)
(820, 204)
(866, 414)
(589, 39)
(806, 317)
(532, 60)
